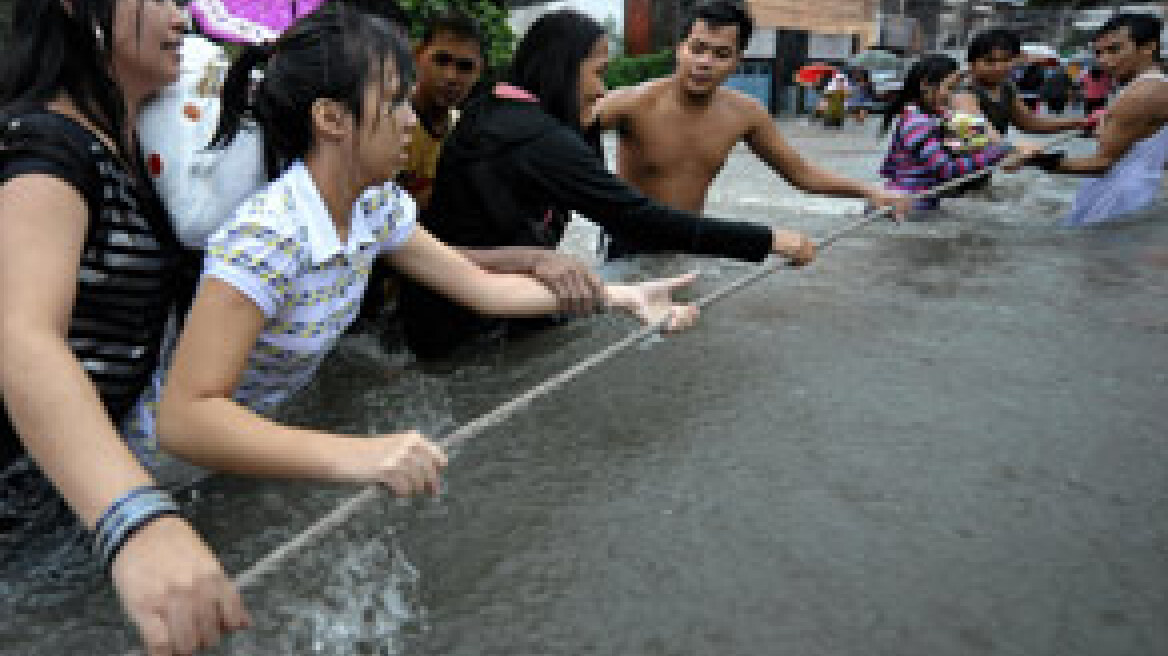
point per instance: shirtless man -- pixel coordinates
(1133, 138)
(676, 133)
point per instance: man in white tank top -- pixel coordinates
(1128, 165)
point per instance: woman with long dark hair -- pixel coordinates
(90, 274)
(918, 157)
(519, 163)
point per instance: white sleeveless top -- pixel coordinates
(1132, 184)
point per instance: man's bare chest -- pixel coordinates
(659, 142)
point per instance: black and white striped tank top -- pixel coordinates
(132, 267)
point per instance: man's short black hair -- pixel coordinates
(1143, 28)
(722, 13)
(985, 43)
(457, 24)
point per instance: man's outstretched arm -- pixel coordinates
(768, 143)
(1135, 116)
(610, 113)
(1028, 121)
(578, 288)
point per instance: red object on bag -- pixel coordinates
(811, 74)
(154, 164)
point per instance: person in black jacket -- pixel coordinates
(519, 162)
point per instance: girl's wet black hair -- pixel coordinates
(53, 51)
(333, 53)
(930, 70)
(547, 61)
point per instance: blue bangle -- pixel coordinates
(121, 501)
(130, 516)
(114, 548)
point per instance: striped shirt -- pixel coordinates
(918, 160)
(129, 272)
(281, 250)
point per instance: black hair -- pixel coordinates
(547, 61)
(722, 13)
(53, 51)
(1143, 28)
(389, 10)
(930, 70)
(332, 53)
(457, 24)
(985, 43)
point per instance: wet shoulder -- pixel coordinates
(645, 95)
(649, 100)
(492, 123)
(1143, 101)
(1152, 95)
(740, 108)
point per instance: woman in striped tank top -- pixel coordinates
(90, 273)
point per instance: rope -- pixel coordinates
(475, 427)
(351, 506)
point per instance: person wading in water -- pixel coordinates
(990, 93)
(519, 162)
(1133, 138)
(676, 133)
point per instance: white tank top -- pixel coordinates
(1132, 184)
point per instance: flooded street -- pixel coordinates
(943, 438)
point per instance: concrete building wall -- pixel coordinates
(857, 17)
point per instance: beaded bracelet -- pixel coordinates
(126, 516)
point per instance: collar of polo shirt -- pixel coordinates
(323, 241)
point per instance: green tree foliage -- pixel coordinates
(490, 14)
(629, 71)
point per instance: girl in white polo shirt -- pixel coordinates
(284, 277)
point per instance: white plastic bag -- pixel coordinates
(201, 188)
